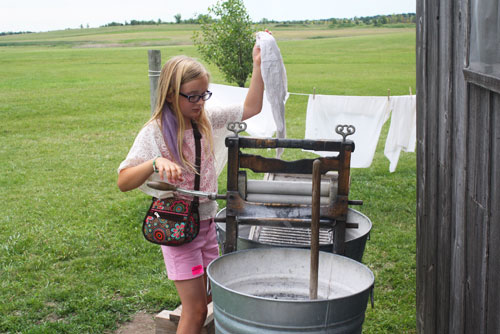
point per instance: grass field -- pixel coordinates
(72, 257)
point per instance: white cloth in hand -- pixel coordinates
(275, 81)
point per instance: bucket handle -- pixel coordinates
(372, 298)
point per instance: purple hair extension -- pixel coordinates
(169, 129)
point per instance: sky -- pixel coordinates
(47, 15)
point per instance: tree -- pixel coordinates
(227, 40)
(177, 18)
(203, 18)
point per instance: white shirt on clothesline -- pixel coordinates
(402, 133)
(366, 113)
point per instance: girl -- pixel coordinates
(165, 147)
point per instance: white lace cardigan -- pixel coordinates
(150, 144)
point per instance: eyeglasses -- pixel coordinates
(195, 98)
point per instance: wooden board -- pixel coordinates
(166, 321)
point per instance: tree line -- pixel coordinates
(5, 33)
(135, 23)
(378, 20)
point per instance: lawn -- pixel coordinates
(72, 257)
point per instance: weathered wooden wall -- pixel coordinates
(458, 171)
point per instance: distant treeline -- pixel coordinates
(378, 20)
(15, 33)
(135, 23)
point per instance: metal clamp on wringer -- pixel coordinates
(288, 204)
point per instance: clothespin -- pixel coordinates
(388, 94)
(314, 93)
(410, 92)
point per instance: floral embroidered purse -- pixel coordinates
(171, 222)
(175, 221)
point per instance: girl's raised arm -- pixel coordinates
(255, 95)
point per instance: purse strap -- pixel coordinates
(197, 144)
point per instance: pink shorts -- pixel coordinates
(189, 260)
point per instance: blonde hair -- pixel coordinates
(176, 72)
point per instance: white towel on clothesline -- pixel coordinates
(367, 113)
(402, 133)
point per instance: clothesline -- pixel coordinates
(299, 94)
(313, 94)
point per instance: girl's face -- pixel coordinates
(192, 110)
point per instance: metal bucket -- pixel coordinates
(355, 237)
(266, 291)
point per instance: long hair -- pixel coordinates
(176, 72)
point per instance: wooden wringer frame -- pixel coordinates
(289, 205)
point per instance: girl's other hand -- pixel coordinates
(256, 52)
(169, 169)
(256, 55)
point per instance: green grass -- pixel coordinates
(72, 257)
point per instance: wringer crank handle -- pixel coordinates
(165, 186)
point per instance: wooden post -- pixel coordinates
(154, 60)
(316, 192)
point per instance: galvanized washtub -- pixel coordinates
(354, 246)
(266, 291)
